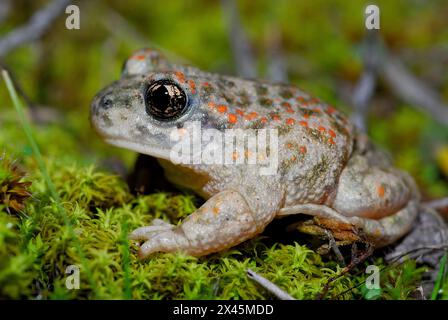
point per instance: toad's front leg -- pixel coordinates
(225, 220)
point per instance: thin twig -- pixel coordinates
(269, 286)
(365, 87)
(399, 255)
(355, 262)
(400, 80)
(34, 28)
(119, 27)
(277, 65)
(393, 262)
(333, 245)
(412, 90)
(239, 42)
(437, 204)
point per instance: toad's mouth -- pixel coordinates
(137, 147)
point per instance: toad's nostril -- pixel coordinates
(106, 102)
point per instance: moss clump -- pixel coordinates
(19, 265)
(13, 189)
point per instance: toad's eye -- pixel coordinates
(165, 100)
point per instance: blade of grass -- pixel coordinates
(38, 156)
(440, 277)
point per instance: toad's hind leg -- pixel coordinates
(378, 199)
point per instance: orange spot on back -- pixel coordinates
(321, 129)
(290, 121)
(222, 108)
(331, 141)
(264, 120)
(192, 86)
(303, 149)
(303, 123)
(139, 57)
(331, 132)
(232, 118)
(331, 109)
(251, 116)
(180, 76)
(288, 107)
(211, 105)
(240, 112)
(215, 211)
(380, 190)
(276, 117)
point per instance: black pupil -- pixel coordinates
(165, 100)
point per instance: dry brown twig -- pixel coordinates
(437, 204)
(412, 90)
(269, 286)
(239, 41)
(365, 86)
(277, 69)
(35, 28)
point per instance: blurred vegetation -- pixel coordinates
(66, 68)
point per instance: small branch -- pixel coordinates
(366, 85)
(34, 28)
(333, 245)
(120, 28)
(391, 258)
(269, 286)
(437, 204)
(402, 83)
(391, 262)
(412, 90)
(277, 64)
(239, 42)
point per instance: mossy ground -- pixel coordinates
(37, 244)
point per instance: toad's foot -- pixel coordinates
(145, 233)
(224, 221)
